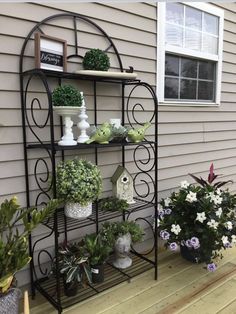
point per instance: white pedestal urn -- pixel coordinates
(122, 248)
(66, 112)
(83, 125)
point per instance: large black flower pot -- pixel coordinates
(190, 254)
(97, 273)
(71, 288)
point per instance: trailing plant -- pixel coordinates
(14, 253)
(96, 59)
(112, 204)
(66, 95)
(97, 249)
(200, 217)
(78, 181)
(111, 231)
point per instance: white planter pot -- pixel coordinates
(66, 112)
(122, 248)
(75, 210)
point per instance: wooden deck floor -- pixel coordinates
(182, 287)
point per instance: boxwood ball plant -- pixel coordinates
(200, 219)
(66, 95)
(96, 59)
(78, 181)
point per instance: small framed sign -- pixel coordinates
(50, 53)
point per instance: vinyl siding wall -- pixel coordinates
(190, 138)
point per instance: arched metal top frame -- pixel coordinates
(74, 17)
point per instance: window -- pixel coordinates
(189, 57)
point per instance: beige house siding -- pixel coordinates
(190, 138)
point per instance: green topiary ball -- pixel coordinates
(66, 95)
(96, 59)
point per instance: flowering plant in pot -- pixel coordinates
(14, 254)
(120, 235)
(79, 183)
(200, 218)
(66, 101)
(74, 267)
(98, 252)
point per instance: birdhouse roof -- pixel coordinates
(117, 174)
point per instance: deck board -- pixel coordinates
(182, 287)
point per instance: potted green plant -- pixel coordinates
(96, 59)
(120, 235)
(98, 252)
(112, 204)
(14, 253)
(200, 218)
(79, 183)
(66, 101)
(74, 267)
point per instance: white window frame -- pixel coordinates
(162, 49)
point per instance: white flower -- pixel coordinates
(158, 223)
(225, 240)
(218, 191)
(175, 229)
(229, 225)
(167, 201)
(184, 184)
(219, 212)
(233, 238)
(217, 199)
(213, 224)
(191, 197)
(201, 217)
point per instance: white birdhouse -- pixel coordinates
(122, 185)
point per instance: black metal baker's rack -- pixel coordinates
(40, 171)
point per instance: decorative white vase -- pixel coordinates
(122, 248)
(77, 211)
(83, 125)
(66, 112)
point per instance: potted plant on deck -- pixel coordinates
(200, 219)
(121, 235)
(98, 252)
(74, 267)
(67, 101)
(14, 253)
(78, 183)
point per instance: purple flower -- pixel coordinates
(228, 245)
(195, 242)
(188, 243)
(161, 213)
(211, 267)
(168, 211)
(164, 235)
(173, 246)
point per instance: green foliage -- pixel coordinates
(96, 59)
(112, 204)
(203, 212)
(66, 95)
(73, 264)
(118, 134)
(78, 181)
(97, 250)
(14, 239)
(111, 231)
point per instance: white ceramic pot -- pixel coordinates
(77, 211)
(122, 248)
(66, 112)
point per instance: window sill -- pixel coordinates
(188, 104)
